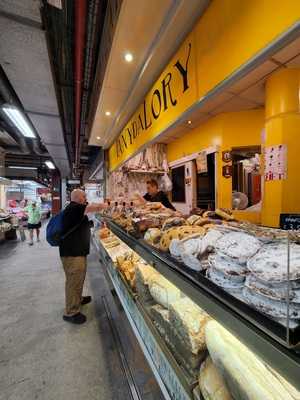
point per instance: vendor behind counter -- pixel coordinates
(155, 195)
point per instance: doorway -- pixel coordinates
(206, 194)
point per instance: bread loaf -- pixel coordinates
(225, 214)
(163, 291)
(193, 219)
(189, 321)
(245, 375)
(166, 238)
(144, 273)
(211, 383)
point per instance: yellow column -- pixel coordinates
(283, 127)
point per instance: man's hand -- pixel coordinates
(95, 207)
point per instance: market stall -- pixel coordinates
(211, 288)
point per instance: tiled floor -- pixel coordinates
(41, 356)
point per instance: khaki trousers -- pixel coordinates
(75, 271)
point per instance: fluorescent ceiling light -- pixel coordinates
(128, 57)
(50, 164)
(19, 120)
(20, 167)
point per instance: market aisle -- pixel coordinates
(42, 357)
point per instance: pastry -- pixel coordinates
(276, 290)
(269, 306)
(210, 239)
(202, 221)
(153, 235)
(238, 246)
(192, 219)
(225, 214)
(229, 270)
(166, 238)
(186, 230)
(154, 205)
(191, 261)
(175, 248)
(174, 221)
(209, 214)
(104, 233)
(270, 263)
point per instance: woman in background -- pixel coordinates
(34, 221)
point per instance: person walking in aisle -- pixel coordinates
(34, 221)
(74, 248)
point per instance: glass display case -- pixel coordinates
(219, 322)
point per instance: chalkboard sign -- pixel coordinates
(290, 221)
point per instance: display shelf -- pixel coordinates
(168, 374)
(247, 324)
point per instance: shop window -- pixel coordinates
(178, 181)
(246, 178)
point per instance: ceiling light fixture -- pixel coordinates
(50, 164)
(189, 122)
(98, 137)
(19, 120)
(20, 167)
(128, 57)
(107, 113)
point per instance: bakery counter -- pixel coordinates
(173, 381)
(265, 337)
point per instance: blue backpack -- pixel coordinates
(54, 229)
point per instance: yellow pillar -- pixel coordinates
(283, 127)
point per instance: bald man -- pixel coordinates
(73, 251)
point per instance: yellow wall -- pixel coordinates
(227, 130)
(232, 31)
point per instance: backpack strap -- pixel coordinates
(72, 230)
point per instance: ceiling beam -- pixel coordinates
(42, 114)
(21, 20)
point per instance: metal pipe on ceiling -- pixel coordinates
(80, 32)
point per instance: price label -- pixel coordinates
(290, 222)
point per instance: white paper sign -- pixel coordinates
(201, 162)
(276, 162)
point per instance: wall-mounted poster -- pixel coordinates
(201, 162)
(275, 162)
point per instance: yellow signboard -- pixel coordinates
(174, 92)
(229, 34)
